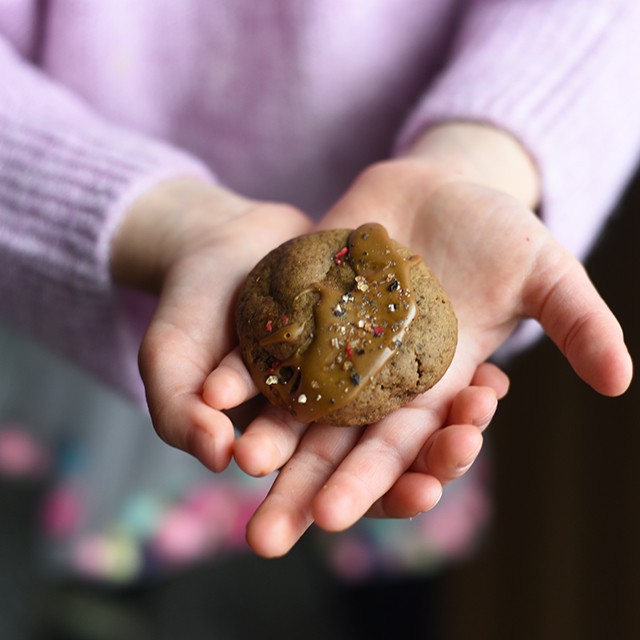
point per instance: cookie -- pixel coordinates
(343, 327)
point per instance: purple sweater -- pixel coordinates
(278, 99)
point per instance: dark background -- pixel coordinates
(563, 559)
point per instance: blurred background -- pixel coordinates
(561, 559)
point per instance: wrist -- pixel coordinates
(160, 225)
(482, 154)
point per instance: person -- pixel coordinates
(163, 148)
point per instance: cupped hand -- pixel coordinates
(498, 264)
(193, 244)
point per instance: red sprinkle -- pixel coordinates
(269, 326)
(349, 351)
(275, 365)
(339, 257)
(285, 320)
(378, 330)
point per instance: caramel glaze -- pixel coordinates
(356, 332)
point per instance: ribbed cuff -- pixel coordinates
(63, 192)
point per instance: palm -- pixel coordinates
(482, 245)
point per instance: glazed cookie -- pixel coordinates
(343, 327)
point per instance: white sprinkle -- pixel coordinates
(302, 398)
(361, 284)
(272, 380)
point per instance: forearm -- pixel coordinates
(163, 221)
(483, 154)
(574, 108)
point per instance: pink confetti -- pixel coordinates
(20, 454)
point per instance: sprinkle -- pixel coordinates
(315, 384)
(397, 343)
(355, 378)
(338, 311)
(394, 285)
(392, 307)
(285, 320)
(302, 398)
(339, 257)
(361, 324)
(335, 343)
(271, 380)
(378, 330)
(318, 398)
(275, 365)
(361, 284)
(349, 351)
(269, 326)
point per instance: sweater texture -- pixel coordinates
(277, 99)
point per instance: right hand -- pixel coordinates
(193, 244)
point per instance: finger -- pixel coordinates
(475, 406)
(268, 442)
(413, 494)
(229, 384)
(450, 452)
(189, 424)
(179, 415)
(490, 375)
(563, 299)
(381, 456)
(286, 512)
(451, 455)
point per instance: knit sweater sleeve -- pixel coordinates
(66, 179)
(562, 77)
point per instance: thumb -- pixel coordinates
(561, 296)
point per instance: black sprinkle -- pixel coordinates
(394, 286)
(355, 378)
(332, 401)
(339, 313)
